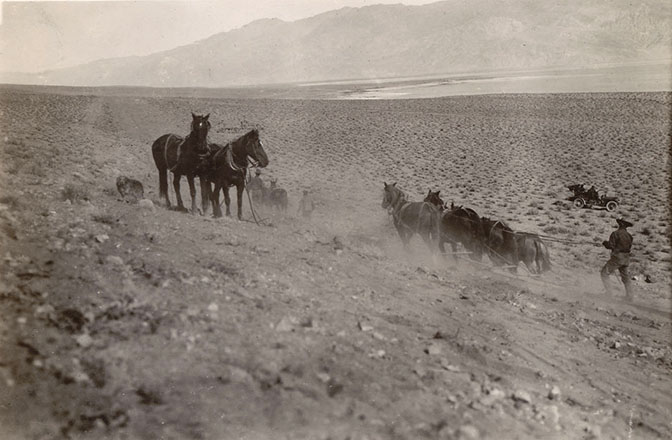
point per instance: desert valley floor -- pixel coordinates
(123, 321)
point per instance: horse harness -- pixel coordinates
(498, 222)
(231, 160)
(179, 152)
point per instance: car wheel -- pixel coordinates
(579, 203)
(611, 206)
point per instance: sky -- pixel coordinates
(45, 35)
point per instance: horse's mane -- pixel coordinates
(402, 193)
(250, 135)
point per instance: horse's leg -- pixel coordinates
(536, 261)
(163, 185)
(160, 162)
(214, 197)
(405, 238)
(529, 264)
(442, 248)
(176, 186)
(227, 200)
(205, 194)
(402, 235)
(427, 239)
(239, 193)
(192, 193)
(531, 259)
(453, 246)
(477, 252)
(514, 265)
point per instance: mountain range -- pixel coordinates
(385, 41)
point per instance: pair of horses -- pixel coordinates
(437, 224)
(221, 166)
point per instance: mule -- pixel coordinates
(182, 156)
(458, 225)
(411, 218)
(226, 166)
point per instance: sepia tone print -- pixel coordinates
(335, 220)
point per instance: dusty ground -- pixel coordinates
(126, 322)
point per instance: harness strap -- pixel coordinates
(179, 153)
(165, 149)
(232, 160)
(493, 228)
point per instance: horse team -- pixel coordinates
(438, 224)
(221, 166)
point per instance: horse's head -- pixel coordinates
(391, 195)
(434, 198)
(255, 149)
(199, 129)
(274, 183)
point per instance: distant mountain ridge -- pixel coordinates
(383, 41)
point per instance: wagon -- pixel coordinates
(584, 199)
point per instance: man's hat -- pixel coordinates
(257, 171)
(623, 223)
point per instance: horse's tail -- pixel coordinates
(543, 256)
(437, 224)
(432, 222)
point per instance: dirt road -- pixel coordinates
(123, 321)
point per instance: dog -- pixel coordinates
(131, 190)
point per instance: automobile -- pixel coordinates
(583, 198)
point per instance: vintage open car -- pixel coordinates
(590, 198)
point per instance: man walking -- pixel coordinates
(306, 205)
(620, 243)
(256, 187)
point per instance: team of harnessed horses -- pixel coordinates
(223, 166)
(218, 166)
(438, 224)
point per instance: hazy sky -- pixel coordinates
(36, 36)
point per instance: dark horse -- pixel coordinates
(504, 246)
(459, 225)
(181, 156)
(411, 217)
(500, 243)
(226, 166)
